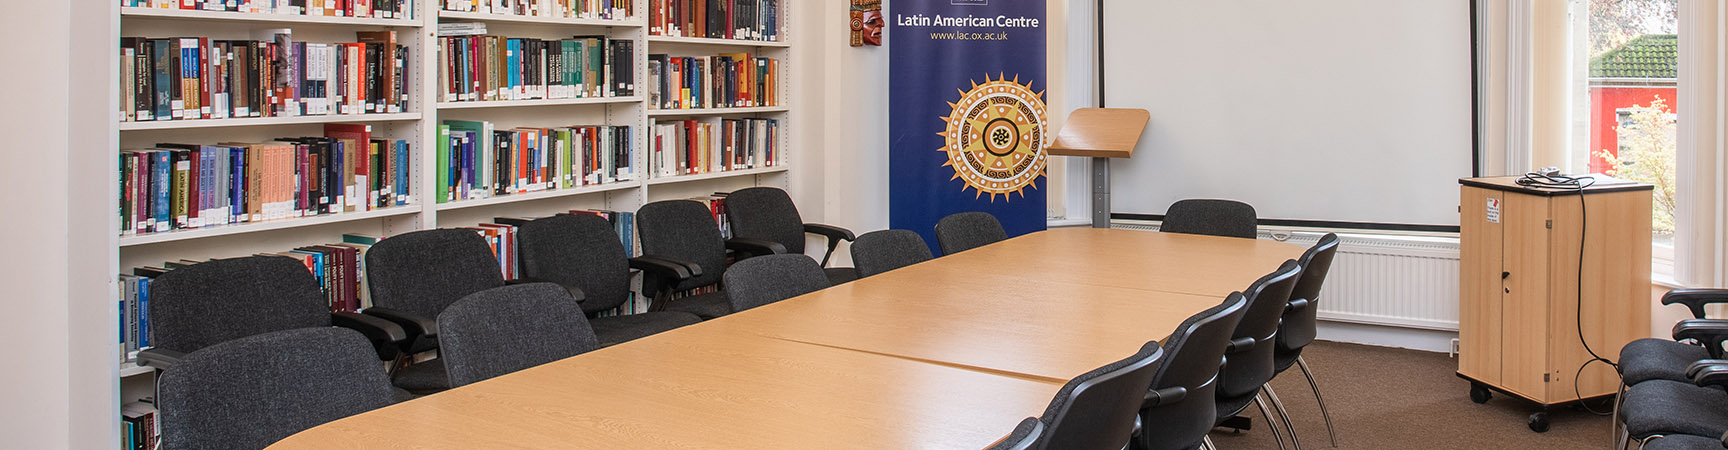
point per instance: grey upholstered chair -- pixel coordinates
(767, 279)
(1651, 359)
(250, 392)
(767, 213)
(1684, 442)
(1655, 409)
(1212, 217)
(506, 329)
(884, 250)
(583, 253)
(1025, 436)
(1248, 360)
(413, 277)
(221, 300)
(684, 232)
(1095, 411)
(1301, 321)
(968, 230)
(1180, 408)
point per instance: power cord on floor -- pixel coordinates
(1551, 180)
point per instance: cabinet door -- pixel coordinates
(1481, 289)
(1524, 349)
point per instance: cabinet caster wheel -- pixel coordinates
(1539, 422)
(1480, 394)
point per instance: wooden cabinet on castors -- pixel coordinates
(1522, 307)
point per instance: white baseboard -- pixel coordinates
(1384, 336)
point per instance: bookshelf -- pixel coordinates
(423, 110)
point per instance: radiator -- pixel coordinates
(1390, 280)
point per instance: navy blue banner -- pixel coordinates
(967, 115)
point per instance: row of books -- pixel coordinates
(339, 269)
(756, 20)
(138, 427)
(201, 78)
(482, 68)
(184, 186)
(685, 147)
(501, 235)
(727, 80)
(566, 9)
(374, 9)
(476, 160)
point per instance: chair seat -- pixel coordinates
(1283, 360)
(1684, 442)
(838, 275)
(1671, 407)
(422, 378)
(1230, 407)
(706, 306)
(1657, 359)
(615, 330)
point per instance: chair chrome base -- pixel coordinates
(1283, 416)
(1270, 425)
(1330, 432)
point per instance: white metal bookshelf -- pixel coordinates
(418, 125)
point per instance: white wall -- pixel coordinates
(58, 389)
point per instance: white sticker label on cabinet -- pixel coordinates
(1493, 210)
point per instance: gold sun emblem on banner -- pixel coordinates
(995, 137)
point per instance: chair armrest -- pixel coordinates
(575, 292)
(160, 358)
(1716, 375)
(1695, 299)
(1693, 369)
(1166, 396)
(385, 336)
(1296, 305)
(413, 324)
(830, 231)
(755, 247)
(669, 268)
(1708, 333)
(1239, 345)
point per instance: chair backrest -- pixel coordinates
(767, 279)
(1213, 217)
(506, 329)
(1192, 356)
(968, 230)
(577, 250)
(251, 392)
(884, 250)
(217, 301)
(683, 230)
(1025, 436)
(1243, 373)
(1096, 410)
(1300, 326)
(423, 272)
(766, 213)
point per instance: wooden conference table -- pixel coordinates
(950, 353)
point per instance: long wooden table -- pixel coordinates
(950, 353)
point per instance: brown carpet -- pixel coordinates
(1385, 398)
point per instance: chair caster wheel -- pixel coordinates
(1480, 394)
(1539, 422)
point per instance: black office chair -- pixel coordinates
(250, 392)
(1248, 364)
(1095, 411)
(506, 329)
(1301, 322)
(1178, 411)
(767, 279)
(767, 213)
(413, 277)
(968, 230)
(1211, 217)
(226, 299)
(884, 250)
(1660, 359)
(1024, 437)
(1657, 409)
(684, 232)
(583, 253)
